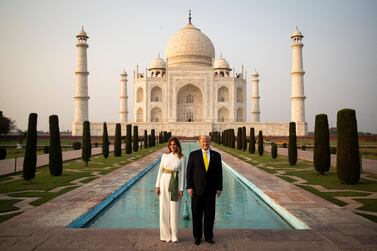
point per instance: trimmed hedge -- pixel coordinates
(348, 160)
(86, 151)
(30, 159)
(321, 153)
(105, 142)
(118, 140)
(260, 143)
(55, 151)
(292, 144)
(274, 150)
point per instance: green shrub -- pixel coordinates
(146, 139)
(95, 144)
(239, 138)
(76, 145)
(129, 139)
(153, 137)
(30, 159)
(303, 147)
(244, 139)
(55, 155)
(321, 153)
(105, 142)
(136, 139)
(118, 140)
(333, 150)
(260, 144)
(274, 151)
(284, 145)
(252, 141)
(348, 156)
(86, 151)
(292, 144)
(46, 149)
(3, 153)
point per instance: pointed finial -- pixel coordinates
(189, 16)
(221, 55)
(159, 55)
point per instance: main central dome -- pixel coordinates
(189, 46)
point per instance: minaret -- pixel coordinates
(297, 73)
(255, 112)
(123, 112)
(81, 95)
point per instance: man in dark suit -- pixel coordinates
(204, 184)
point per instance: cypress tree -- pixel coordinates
(105, 142)
(233, 139)
(260, 144)
(239, 138)
(153, 138)
(55, 153)
(129, 139)
(347, 153)
(86, 150)
(244, 139)
(145, 139)
(321, 154)
(150, 140)
(292, 144)
(274, 151)
(252, 141)
(118, 140)
(136, 139)
(30, 159)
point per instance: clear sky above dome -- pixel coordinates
(38, 53)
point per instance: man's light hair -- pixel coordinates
(205, 137)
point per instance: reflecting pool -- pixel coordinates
(237, 207)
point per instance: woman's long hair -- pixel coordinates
(176, 141)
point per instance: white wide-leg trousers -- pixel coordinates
(169, 211)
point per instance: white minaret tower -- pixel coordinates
(297, 73)
(81, 95)
(255, 109)
(123, 112)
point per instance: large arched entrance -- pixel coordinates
(189, 104)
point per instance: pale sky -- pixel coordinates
(38, 53)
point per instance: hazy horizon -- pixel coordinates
(38, 53)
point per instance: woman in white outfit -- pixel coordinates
(169, 187)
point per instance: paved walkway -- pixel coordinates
(331, 227)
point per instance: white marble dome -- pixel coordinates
(189, 46)
(221, 63)
(157, 63)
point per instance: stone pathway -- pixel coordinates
(331, 227)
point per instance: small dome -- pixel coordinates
(157, 63)
(190, 46)
(297, 33)
(221, 63)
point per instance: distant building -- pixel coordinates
(191, 92)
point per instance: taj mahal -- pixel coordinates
(190, 92)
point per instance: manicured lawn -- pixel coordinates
(44, 183)
(305, 170)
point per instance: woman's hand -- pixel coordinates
(180, 194)
(157, 190)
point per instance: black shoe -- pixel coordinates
(210, 241)
(197, 242)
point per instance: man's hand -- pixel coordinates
(218, 193)
(157, 190)
(190, 191)
(180, 194)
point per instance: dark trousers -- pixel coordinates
(203, 205)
